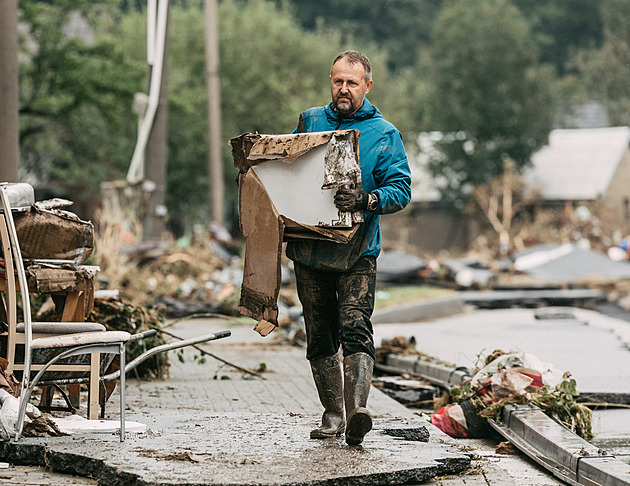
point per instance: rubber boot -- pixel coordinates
(328, 378)
(357, 377)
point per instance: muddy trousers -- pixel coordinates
(338, 308)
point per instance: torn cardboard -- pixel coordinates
(54, 234)
(286, 190)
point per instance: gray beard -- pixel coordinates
(345, 111)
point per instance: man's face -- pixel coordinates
(348, 87)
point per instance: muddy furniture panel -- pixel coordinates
(286, 189)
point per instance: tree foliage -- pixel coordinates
(605, 71)
(266, 81)
(488, 98)
(473, 73)
(402, 27)
(558, 28)
(75, 93)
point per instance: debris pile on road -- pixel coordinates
(201, 272)
(543, 266)
(472, 397)
(401, 346)
(185, 278)
(512, 378)
(397, 345)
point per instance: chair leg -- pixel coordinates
(102, 398)
(48, 394)
(95, 364)
(29, 385)
(74, 393)
(25, 396)
(122, 392)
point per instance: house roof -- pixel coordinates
(577, 164)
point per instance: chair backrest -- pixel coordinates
(13, 252)
(10, 293)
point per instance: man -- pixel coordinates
(336, 282)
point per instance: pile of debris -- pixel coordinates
(544, 266)
(201, 274)
(36, 424)
(503, 379)
(508, 379)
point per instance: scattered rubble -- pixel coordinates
(409, 392)
(186, 280)
(36, 424)
(503, 379)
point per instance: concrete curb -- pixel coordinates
(420, 310)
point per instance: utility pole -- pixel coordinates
(153, 225)
(213, 90)
(9, 104)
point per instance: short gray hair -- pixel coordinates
(355, 57)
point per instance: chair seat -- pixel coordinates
(62, 327)
(69, 340)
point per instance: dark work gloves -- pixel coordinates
(355, 199)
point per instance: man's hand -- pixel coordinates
(355, 199)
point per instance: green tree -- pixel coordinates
(558, 28)
(76, 92)
(266, 81)
(75, 95)
(605, 71)
(272, 69)
(489, 98)
(401, 27)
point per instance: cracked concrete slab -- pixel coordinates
(243, 449)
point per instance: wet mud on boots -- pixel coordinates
(357, 383)
(328, 377)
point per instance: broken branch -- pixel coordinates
(240, 368)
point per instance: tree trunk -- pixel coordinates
(9, 105)
(213, 87)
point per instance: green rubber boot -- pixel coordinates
(357, 383)
(328, 378)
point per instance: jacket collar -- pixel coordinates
(367, 110)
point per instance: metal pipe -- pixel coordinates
(136, 169)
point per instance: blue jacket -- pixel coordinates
(384, 172)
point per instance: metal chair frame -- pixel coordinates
(93, 343)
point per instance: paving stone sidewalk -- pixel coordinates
(213, 424)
